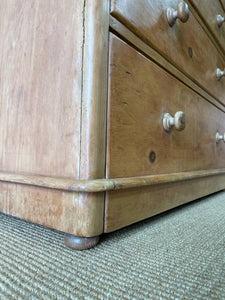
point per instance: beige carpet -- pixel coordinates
(177, 255)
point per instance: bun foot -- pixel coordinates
(80, 243)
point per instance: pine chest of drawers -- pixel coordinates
(110, 111)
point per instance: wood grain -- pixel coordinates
(53, 87)
(139, 95)
(151, 180)
(52, 208)
(183, 44)
(222, 2)
(40, 81)
(93, 113)
(204, 26)
(208, 13)
(125, 207)
(94, 89)
(64, 184)
(53, 100)
(120, 30)
(40, 59)
(102, 185)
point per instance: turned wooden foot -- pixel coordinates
(80, 243)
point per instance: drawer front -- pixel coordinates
(185, 44)
(222, 3)
(212, 14)
(140, 94)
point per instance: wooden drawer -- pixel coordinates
(222, 3)
(185, 44)
(140, 94)
(209, 12)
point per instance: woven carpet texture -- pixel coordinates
(179, 254)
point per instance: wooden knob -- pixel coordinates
(220, 20)
(182, 13)
(220, 137)
(219, 73)
(179, 121)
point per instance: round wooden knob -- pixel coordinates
(182, 13)
(179, 121)
(220, 137)
(220, 20)
(219, 73)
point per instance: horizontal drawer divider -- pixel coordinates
(102, 185)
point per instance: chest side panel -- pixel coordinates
(40, 86)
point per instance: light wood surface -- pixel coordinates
(183, 44)
(204, 26)
(209, 12)
(53, 103)
(64, 184)
(62, 149)
(102, 185)
(139, 96)
(52, 208)
(90, 207)
(40, 61)
(53, 96)
(152, 180)
(94, 89)
(120, 30)
(125, 207)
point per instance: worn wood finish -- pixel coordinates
(125, 207)
(183, 44)
(40, 105)
(152, 180)
(222, 2)
(208, 13)
(53, 98)
(93, 114)
(102, 185)
(53, 102)
(139, 96)
(64, 184)
(40, 82)
(204, 26)
(52, 208)
(94, 89)
(120, 30)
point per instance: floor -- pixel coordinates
(177, 255)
